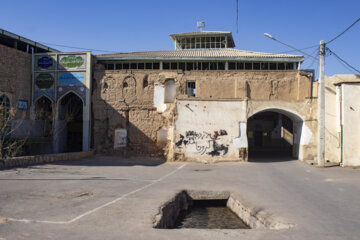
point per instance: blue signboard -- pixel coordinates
(22, 104)
(71, 79)
(45, 62)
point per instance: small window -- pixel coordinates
(173, 65)
(223, 42)
(290, 66)
(126, 66)
(189, 66)
(205, 66)
(240, 66)
(148, 66)
(182, 65)
(141, 65)
(264, 66)
(232, 66)
(192, 43)
(156, 65)
(213, 66)
(248, 66)
(4, 105)
(256, 66)
(110, 66)
(203, 40)
(207, 42)
(281, 66)
(212, 42)
(272, 66)
(221, 66)
(197, 65)
(191, 88)
(133, 66)
(198, 43)
(166, 65)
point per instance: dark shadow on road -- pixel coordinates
(113, 161)
(71, 179)
(270, 155)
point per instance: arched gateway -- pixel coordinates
(276, 134)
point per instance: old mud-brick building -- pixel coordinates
(203, 101)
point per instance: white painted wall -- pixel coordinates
(210, 129)
(170, 91)
(351, 126)
(159, 96)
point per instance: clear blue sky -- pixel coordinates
(143, 25)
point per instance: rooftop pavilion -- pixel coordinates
(203, 40)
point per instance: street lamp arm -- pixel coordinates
(272, 38)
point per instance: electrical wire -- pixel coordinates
(300, 49)
(88, 49)
(313, 60)
(339, 35)
(343, 61)
(344, 65)
(237, 16)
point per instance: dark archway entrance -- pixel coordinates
(272, 136)
(71, 114)
(43, 113)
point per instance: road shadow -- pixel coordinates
(270, 155)
(113, 161)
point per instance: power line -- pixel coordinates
(237, 16)
(343, 31)
(342, 60)
(89, 49)
(300, 49)
(313, 60)
(344, 65)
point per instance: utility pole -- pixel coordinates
(321, 109)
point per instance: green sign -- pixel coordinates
(71, 61)
(44, 80)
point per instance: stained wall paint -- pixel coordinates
(159, 96)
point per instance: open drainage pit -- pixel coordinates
(214, 210)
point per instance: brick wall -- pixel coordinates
(15, 77)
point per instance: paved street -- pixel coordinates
(114, 198)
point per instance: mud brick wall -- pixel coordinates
(126, 99)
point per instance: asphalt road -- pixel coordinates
(114, 198)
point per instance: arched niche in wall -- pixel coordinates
(5, 119)
(43, 113)
(145, 81)
(170, 91)
(129, 89)
(4, 107)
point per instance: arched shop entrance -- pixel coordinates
(71, 118)
(274, 135)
